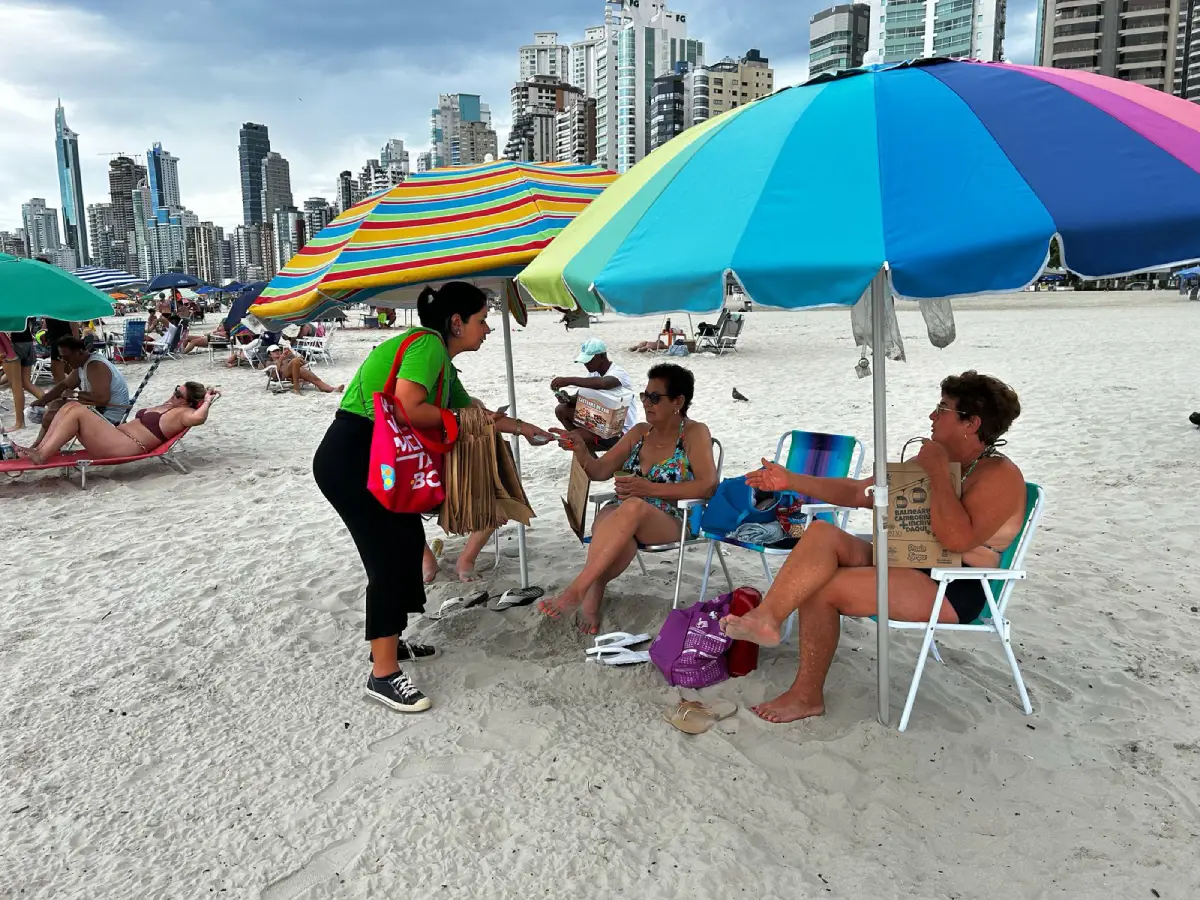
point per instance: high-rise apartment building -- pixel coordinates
(163, 170)
(424, 161)
(728, 84)
(460, 131)
(838, 38)
(643, 40)
(907, 29)
(545, 56)
(583, 60)
(393, 157)
(317, 214)
(535, 103)
(246, 250)
(13, 242)
(124, 175)
(347, 191)
(102, 227)
(276, 185)
(575, 131)
(254, 143)
(70, 186)
(204, 252)
(1137, 41)
(1187, 52)
(41, 226)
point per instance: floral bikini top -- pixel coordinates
(674, 469)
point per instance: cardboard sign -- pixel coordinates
(911, 544)
(576, 502)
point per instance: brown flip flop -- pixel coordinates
(695, 717)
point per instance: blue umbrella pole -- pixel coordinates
(516, 441)
(880, 296)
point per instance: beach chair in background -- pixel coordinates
(809, 453)
(170, 350)
(78, 460)
(688, 531)
(725, 334)
(275, 382)
(41, 370)
(248, 353)
(315, 349)
(998, 585)
(135, 336)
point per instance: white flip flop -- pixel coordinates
(620, 656)
(616, 639)
(516, 597)
(448, 606)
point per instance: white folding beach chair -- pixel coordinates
(315, 349)
(275, 383)
(998, 586)
(41, 369)
(726, 336)
(690, 509)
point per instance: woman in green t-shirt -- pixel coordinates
(454, 319)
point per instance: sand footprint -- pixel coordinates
(429, 766)
(377, 764)
(331, 861)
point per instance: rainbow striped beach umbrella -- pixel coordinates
(482, 223)
(930, 179)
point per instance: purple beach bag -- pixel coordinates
(690, 648)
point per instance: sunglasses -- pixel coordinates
(177, 395)
(946, 409)
(653, 397)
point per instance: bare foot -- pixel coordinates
(30, 454)
(556, 606)
(296, 389)
(789, 707)
(339, 389)
(429, 569)
(589, 611)
(466, 574)
(756, 626)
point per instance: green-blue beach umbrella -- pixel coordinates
(29, 287)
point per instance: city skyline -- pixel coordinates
(124, 92)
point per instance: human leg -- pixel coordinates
(52, 409)
(612, 537)
(850, 592)
(465, 567)
(12, 370)
(303, 373)
(565, 413)
(99, 436)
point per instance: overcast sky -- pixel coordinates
(333, 81)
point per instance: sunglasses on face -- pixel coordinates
(652, 397)
(177, 395)
(939, 409)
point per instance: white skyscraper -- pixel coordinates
(41, 226)
(545, 56)
(460, 131)
(643, 41)
(583, 60)
(958, 28)
(393, 156)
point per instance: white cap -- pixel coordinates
(273, 348)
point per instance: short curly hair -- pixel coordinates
(994, 402)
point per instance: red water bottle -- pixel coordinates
(743, 655)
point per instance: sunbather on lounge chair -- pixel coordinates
(830, 573)
(291, 366)
(187, 407)
(220, 333)
(669, 458)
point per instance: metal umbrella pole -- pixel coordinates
(880, 295)
(516, 442)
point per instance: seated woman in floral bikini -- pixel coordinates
(658, 462)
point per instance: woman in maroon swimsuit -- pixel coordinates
(187, 407)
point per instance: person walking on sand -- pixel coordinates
(830, 573)
(453, 320)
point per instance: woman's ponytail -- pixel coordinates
(437, 308)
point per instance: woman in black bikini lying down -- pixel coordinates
(186, 407)
(830, 571)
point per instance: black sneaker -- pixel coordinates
(406, 651)
(397, 692)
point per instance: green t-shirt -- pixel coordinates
(424, 360)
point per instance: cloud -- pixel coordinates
(332, 83)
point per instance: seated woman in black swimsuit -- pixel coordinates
(187, 407)
(667, 458)
(830, 573)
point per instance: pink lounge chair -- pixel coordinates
(79, 459)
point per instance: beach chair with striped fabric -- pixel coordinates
(135, 337)
(809, 453)
(998, 585)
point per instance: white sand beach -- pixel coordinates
(181, 712)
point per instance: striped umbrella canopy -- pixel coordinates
(952, 175)
(105, 279)
(481, 223)
(929, 179)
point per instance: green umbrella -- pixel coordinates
(29, 287)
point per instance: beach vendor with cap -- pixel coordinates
(603, 375)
